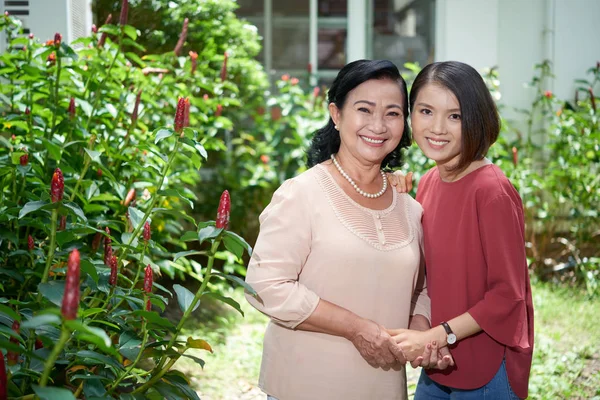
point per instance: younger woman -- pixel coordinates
(474, 244)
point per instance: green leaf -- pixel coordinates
(53, 291)
(189, 236)
(76, 325)
(99, 358)
(208, 232)
(175, 193)
(199, 344)
(197, 359)
(136, 216)
(130, 31)
(236, 241)
(41, 320)
(227, 300)
(154, 318)
(53, 149)
(179, 380)
(184, 298)
(239, 281)
(76, 210)
(162, 134)
(94, 155)
(90, 269)
(53, 393)
(32, 206)
(10, 312)
(177, 256)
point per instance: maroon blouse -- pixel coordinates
(475, 255)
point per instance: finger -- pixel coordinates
(433, 359)
(401, 188)
(444, 362)
(416, 362)
(445, 352)
(409, 182)
(392, 179)
(398, 353)
(425, 363)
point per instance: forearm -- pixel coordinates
(418, 322)
(331, 319)
(463, 326)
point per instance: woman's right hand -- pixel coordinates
(402, 183)
(375, 344)
(434, 357)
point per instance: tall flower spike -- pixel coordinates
(134, 114)
(62, 225)
(30, 243)
(148, 279)
(112, 280)
(224, 67)
(3, 380)
(12, 356)
(70, 303)
(515, 155)
(182, 37)
(57, 186)
(186, 114)
(57, 40)
(108, 253)
(219, 110)
(96, 242)
(124, 11)
(103, 36)
(223, 211)
(24, 160)
(72, 108)
(592, 98)
(194, 58)
(147, 232)
(180, 114)
(130, 196)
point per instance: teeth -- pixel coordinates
(437, 143)
(366, 139)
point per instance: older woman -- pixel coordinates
(338, 258)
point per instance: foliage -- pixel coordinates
(101, 115)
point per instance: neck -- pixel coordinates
(452, 176)
(360, 172)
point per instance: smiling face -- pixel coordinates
(436, 124)
(371, 122)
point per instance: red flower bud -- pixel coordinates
(183, 107)
(309, 68)
(30, 243)
(24, 160)
(515, 155)
(205, 96)
(6, 14)
(260, 111)
(224, 67)
(148, 279)
(62, 223)
(13, 356)
(103, 36)
(223, 211)
(147, 232)
(219, 110)
(51, 59)
(70, 303)
(294, 81)
(134, 114)
(316, 91)
(112, 280)
(3, 380)
(38, 344)
(275, 113)
(285, 77)
(96, 242)
(592, 99)
(194, 58)
(72, 108)
(57, 186)
(548, 94)
(265, 159)
(130, 196)
(124, 11)
(57, 40)
(182, 37)
(27, 111)
(108, 253)
(94, 28)
(99, 173)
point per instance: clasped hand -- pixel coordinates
(420, 350)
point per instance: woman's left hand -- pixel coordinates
(412, 343)
(402, 183)
(434, 357)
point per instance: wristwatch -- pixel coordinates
(451, 338)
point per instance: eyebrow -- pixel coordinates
(430, 106)
(373, 104)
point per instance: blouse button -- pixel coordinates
(383, 243)
(378, 216)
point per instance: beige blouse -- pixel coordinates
(316, 242)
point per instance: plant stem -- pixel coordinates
(155, 378)
(51, 249)
(137, 358)
(65, 334)
(58, 65)
(79, 389)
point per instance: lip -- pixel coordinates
(437, 146)
(372, 141)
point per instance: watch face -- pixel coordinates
(451, 338)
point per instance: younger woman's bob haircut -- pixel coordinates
(480, 123)
(326, 140)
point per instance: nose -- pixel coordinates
(439, 125)
(377, 124)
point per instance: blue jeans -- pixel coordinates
(271, 398)
(496, 389)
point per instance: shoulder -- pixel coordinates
(298, 188)
(492, 185)
(414, 208)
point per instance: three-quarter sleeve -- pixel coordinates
(502, 313)
(282, 247)
(420, 302)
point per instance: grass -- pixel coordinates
(566, 358)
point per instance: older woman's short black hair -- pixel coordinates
(326, 140)
(480, 122)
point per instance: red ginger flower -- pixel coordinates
(51, 58)
(94, 28)
(309, 68)
(24, 160)
(3, 380)
(103, 36)
(57, 186)
(30, 243)
(70, 303)
(219, 110)
(124, 11)
(182, 37)
(265, 159)
(294, 81)
(194, 58)
(148, 279)
(96, 241)
(515, 156)
(548, 94)
(13, 356)
(592, 99)
(285, 77)
(27, 111)
(223, 211)
(57, 40)
(147, 232)
(38, 344)
(62, 223)
(130, 196)
(182, 114)
(112, 280)
(134, 114)
(108, 253)
(72, 108)
(224, 67)
(316, 91)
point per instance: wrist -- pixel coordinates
(438, 334)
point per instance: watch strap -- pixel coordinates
(447, 328)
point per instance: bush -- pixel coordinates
(81, 165)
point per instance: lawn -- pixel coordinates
(566, 361)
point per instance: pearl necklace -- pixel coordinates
(359, 190)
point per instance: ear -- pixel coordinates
(334, 112)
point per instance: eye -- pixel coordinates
(455, 117)
(425, 111)
(363, 109)
(394, 114)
